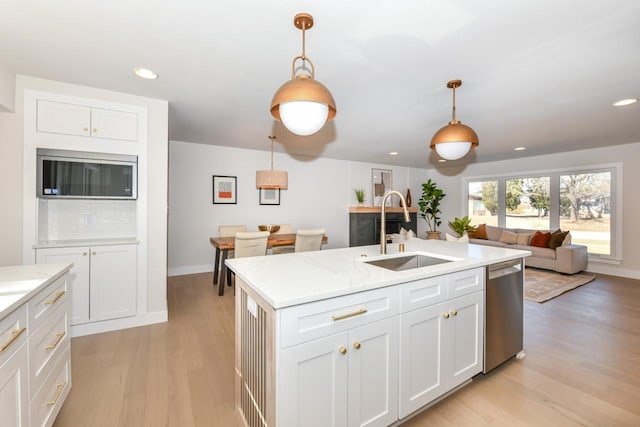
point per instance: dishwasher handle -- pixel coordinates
(504, 268)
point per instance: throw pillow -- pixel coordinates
(556, 238)
(480, 233)
(523, 239)
(463, 239)
(540, 239)
(508, 237)
(493, 233)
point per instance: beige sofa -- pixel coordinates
(566, 258)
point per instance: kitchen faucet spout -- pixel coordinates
(383, 224)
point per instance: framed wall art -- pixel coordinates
(269, 196)
(380, 185)
(224, 190)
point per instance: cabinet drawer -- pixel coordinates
(424, 292)
(466, 282)
(309, 321)
(47, 301)
(49, 399)
(45, 344)
(13, 332)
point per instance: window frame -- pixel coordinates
(615, 169)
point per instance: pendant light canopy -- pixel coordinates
(303, 104)
(272, 178)
(454, 141)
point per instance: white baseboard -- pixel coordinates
(613, 270)
(189, 269)
(116, 324)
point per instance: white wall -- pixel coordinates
(452, 181)
(319, 195)
(7, 89)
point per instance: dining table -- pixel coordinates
(225, 244)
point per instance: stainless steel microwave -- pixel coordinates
(86, 175)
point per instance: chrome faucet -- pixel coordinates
(383, 222)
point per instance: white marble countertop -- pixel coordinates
(85, 242)
(290, 279)
(20, 282)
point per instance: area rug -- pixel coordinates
(543, 285)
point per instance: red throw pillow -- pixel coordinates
(540, 239)
(480, 233)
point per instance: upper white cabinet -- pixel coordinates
(81, 120)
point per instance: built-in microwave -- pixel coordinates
(86, 175)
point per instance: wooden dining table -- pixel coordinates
(224, 244)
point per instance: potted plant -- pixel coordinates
(461, 225)
(359, 196)
(430, 207)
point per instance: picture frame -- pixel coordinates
(269, 196)
(225, 190)
(381, 184)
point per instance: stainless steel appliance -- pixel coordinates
(504, 312)
(86, 175)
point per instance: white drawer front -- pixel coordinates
(47, 402)
(13, 332)
(309, 321)
(47, 301)
(466, 282)
(45, 344)
(421, 293)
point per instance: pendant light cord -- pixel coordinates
(272, 137)
(454, 105)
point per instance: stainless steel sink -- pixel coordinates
(407, 262)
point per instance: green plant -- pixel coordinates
(430, 204)
(460, 225)
(359, 195)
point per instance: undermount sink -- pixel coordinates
(407, 262)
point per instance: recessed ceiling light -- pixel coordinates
(145, 73)
(441, 160)
(393, 153)
(624, 102)
(520, 148)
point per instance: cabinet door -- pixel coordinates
(422, 360)
(67, 119)
(113, 282)
(373, 374)
(14, 399)
(78, 277)
(112, 124)
(312, 386)
(466, 336)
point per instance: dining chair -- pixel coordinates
(230, 231)
(309, 240)
(284, 229)
(252, 243)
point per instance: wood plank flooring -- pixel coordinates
(582, 366)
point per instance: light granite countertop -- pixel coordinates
(291, 279)
(20, 282)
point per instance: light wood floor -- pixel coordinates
(582, 366)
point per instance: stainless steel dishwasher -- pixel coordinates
(503, 313)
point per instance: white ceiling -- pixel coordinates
(541, 74)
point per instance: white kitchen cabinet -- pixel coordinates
(345, 379)
(82, 120)
(14, 397)
(103, 280)
(441, 347)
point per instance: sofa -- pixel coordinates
(558, 254)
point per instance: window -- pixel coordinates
(581, 201)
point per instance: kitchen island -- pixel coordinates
(328, 338)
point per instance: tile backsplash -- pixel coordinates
(71, 219)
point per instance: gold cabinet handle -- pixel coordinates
(93, 253)
(342, 350)
(61, 387)
(14, 336)
(346, 316)
(85, 253)
(85, 129)
(56, 298)
(445, 315)
(95, 130)
(59, 336)
(454, 312)
(356, 345)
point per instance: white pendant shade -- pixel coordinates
(453, 150)
(303, 117)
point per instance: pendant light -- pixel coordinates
(272, 178)
(454, 141)
(303, 104)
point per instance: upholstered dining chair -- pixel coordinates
(230, 231)
(284, 229)
(252, 243)
(309, 240)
